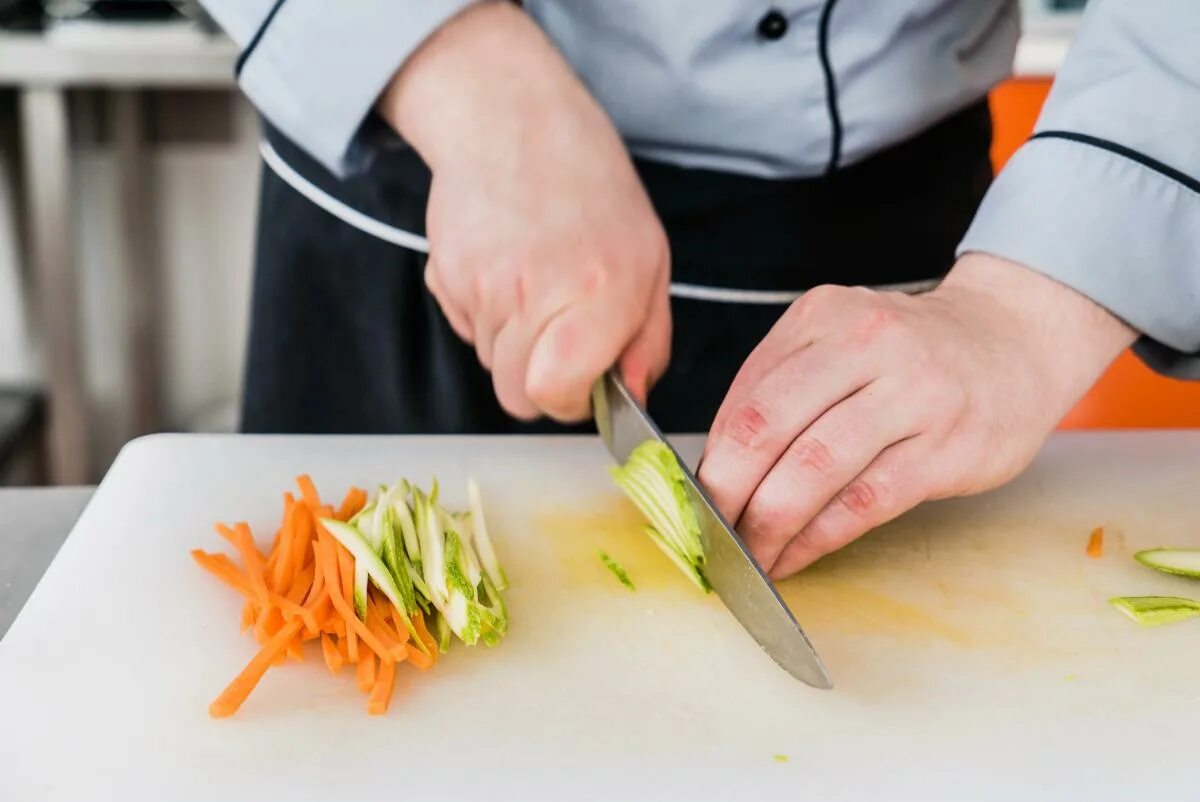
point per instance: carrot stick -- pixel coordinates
(365, 673)
(346, 565)
(252, 558)
(416, 656)
(305, 530)
(301, 584)
(248, 615)
(280, 576)
(381, 694)
(270, 621)
(291, 610)
(1095, 546)
(318, 580)
(295, 650)
(244, 683)
(354, 501)
(223, 569)
(308, 490)
(333, 657)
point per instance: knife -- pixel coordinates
(729, 568)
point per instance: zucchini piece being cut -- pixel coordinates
(653, 480)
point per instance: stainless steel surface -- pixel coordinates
(37, 522)
(730, 569)
(46, 141)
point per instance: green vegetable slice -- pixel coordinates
(364, 555)
(1180, 562)
(654, 481)
(480, 538)
(1153, 611)
(617, 570)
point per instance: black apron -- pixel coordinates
(345, 338)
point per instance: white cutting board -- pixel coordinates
(973, 654)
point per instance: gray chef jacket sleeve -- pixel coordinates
(1105, 197)
(314, 68)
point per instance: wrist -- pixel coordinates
(1070, 338)
(483, 79)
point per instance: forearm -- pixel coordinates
(487, 78)
(1070, 338)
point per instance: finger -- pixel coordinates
(645, 359)
(483, 336)
(573, 349)
(753, 432)
(456, 317)
(895, 482)
(510, 365)
(822, 460)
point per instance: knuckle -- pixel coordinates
(810, 455)
(862, 498)
(748, 423)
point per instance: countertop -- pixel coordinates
(37, 521)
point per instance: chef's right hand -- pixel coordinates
(545, 252)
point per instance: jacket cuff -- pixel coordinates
(1110, 223)
(316, 68)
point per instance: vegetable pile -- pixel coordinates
(378, 581)
(653, 480)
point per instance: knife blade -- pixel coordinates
(729, 568)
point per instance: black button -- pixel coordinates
(773, 25)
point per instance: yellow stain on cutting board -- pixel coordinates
(825, 599)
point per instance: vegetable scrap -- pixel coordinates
(1153, 611)
(371, 580)
(1178, 562)
(1095, 545)
(653, 480)
(617, 570)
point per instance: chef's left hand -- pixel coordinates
(859, 405)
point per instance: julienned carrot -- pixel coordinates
(223, 569)
(346, 583)
(308, 491)
(247, 615)
(301, 585)
(252, 559)
(354, 501)
(417, 657)
(280, 578)
(236, 692)
(381, 694)
(1095, 546)
(365, 673)
(333, 657)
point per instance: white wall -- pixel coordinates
(208, 195)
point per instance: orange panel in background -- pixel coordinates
(1129, 395)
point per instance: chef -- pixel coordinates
(777, 215)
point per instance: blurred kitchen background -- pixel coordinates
(128, 189)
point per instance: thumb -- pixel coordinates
(574, 348)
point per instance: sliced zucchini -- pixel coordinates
(482, 540)
(1180, 562)
(1153, 611)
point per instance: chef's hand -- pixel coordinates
(859, 405)
(545, 252)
